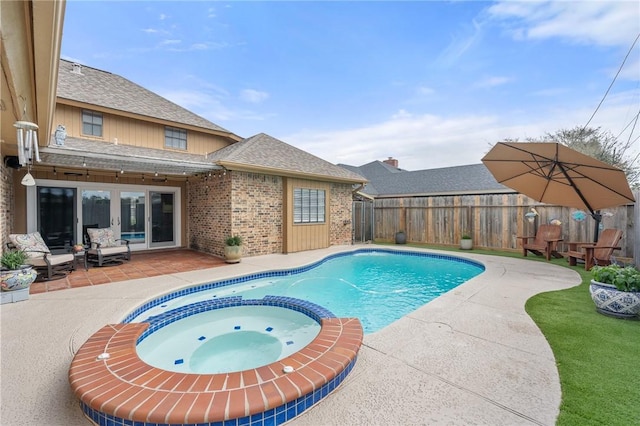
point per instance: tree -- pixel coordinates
(601, 145)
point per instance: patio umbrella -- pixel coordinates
(555, 174)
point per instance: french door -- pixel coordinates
(147, 217)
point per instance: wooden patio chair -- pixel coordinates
(544, 243)
(598, 253)
(49, 266)
(105, 249)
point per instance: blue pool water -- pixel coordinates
(375, 285)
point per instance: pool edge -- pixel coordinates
(122, 389)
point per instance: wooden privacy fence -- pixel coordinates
(494, 221)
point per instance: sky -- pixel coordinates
(430, 83)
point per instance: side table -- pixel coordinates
(80, 256)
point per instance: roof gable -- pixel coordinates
(101, 88)
(268, 153)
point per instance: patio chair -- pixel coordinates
(49, 266)
(105, 249)
(598, 253)
(544, 243)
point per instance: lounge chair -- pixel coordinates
(544, 243)
(105, 249)
(595, 253)
(49, 266)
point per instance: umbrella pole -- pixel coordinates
(596, 230)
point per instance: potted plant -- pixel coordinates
(233, 249)
(466, 243)
(15, 276)
(615, 290)
(401, 237)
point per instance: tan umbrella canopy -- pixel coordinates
(554, 174)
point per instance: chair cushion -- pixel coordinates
(109, 250)
(102, 236)
(56, 259)
(32, 244)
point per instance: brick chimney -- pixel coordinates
(391, 161)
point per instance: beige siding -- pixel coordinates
(129, 131)
(301, 237)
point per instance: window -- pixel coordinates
(91, 123)
(308, 205)
(175, 138)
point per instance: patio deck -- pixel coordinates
(142, 265)
(471, 356)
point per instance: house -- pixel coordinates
(386, 180)
(114, 154)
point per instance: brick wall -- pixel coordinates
(254, 211)
(257, 212)
(209, 213)
(6, 204)
(341, 214)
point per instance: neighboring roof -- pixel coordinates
(131, 159)
(101, 88)
(266, 154)
(386, 181)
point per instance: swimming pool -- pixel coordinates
(115, 386)
(378, 286)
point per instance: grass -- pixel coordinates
(598, 357)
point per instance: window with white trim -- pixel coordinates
(91, 123)
(308, 205)
(175, 138)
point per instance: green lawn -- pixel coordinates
(598, 357)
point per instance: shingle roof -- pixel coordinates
(387, 181)
(266, 152)
(102, 88)
(132, 159)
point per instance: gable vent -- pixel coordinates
(76, 68)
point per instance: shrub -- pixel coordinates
(235, 240)
(13, 259)
(625, 279)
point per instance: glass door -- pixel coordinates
(62, 211)
(162, 219)
(56, 217)
(131, 218)
(96, 210)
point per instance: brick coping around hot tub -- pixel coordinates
(124, 387)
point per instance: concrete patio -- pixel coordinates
(472, 356)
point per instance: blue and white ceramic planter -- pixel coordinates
(611, 301)
(17, 279)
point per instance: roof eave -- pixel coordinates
(241, 167)
(452, 193)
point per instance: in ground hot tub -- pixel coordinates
(230, 339)
(116, 386)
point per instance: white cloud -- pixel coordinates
(150, 30)
(607, 23)
(253, 96)
(460, 44)
(493, 82)
(425, 91)
(425, 141)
